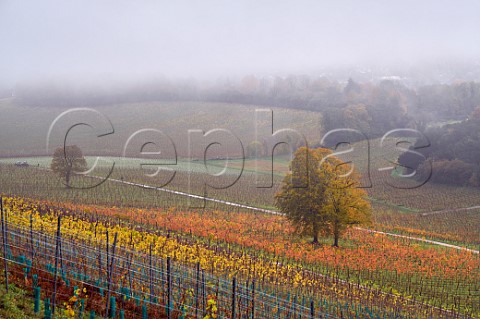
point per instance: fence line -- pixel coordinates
(76, 262)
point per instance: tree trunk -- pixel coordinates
(335, 239)
(67, 178)
(336, 233)
(315, 233)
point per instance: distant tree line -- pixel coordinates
(453, 156)
(371, 108)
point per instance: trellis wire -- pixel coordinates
(248, 300)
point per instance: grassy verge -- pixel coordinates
(16, 304)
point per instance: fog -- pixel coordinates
(128, 40)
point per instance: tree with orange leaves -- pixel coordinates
(321, 195)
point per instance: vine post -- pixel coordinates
(57, 255)
(4, 239)
(169, 288)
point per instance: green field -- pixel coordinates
(233, 167)
(24, 130)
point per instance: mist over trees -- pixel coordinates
(454, 153)
(372, 108)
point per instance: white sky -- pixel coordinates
(114, 39)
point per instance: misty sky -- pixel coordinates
(88, 39)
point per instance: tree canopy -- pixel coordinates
(68, 161)
(453, 156)
(320, 195)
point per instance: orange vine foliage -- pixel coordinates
(274, 234)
